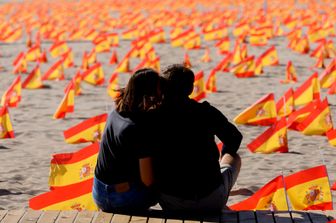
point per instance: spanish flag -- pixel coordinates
(186, 61)
(58, 48)
(89, 58)
(301, 45)
(55, 72)
(210, 85)
(320, 62)
(180, 38)
(258, 39)
(291, 76)
(296, 117)
(223, 45)
(72, 168)
(309, 189)
(270, 57)
(263, 112)
(102, 44)
(113, 86)
(68, 59)
(308, 91)
(192, 42)
(114, 58)
(237, 54)
(34, 53)
(270, 197)
(20, 64)
(199, 88)
(6, 129)
(332, 89)
(318, 122)
(157, 36)
(33, 80)
(274, 139)
(331, 135)
(72, 197)
(224, 64)
(244, 68)
(67, 103)
(123, 66)
(76, 80)
(215, 33)
(285, 105)
(89, 130)
(94, 75)
(12, 95)
(328, 76)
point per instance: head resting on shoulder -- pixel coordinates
(179, 81)
(142, 92)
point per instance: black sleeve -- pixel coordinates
(225, 131)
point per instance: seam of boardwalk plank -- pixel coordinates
(31, 216)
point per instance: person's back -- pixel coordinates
(187, 164)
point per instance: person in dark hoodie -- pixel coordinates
(190, 172)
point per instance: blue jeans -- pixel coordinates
(137, 198)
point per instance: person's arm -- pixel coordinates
(146, 171)
(225, 131)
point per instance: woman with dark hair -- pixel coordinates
(123, 175)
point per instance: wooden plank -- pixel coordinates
(247, 216)
(49, 216)
(265, 216)
(138, 219)
(156, 220)
(31, 216)
(120, 218)
(318, 216)
(300, 217)
(331, 214)
(229, 217)
(102, 217)
(13, 216)
(66, 217)
(191, 221)
(174, 221)
(85, 216)
(2, 214)
(282, 217)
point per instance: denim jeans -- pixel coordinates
(137, 198)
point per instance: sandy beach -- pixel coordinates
(25, 159)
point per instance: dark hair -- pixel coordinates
(179, 81)
(142, 92)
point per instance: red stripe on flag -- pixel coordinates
(306, 176)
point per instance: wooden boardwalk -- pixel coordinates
(30, 216)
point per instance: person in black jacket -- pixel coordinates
(123, 175)
(190, 172)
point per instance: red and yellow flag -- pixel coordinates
(113, 86)
(270, 197)
(55, 72)
(186, 61)
(244, 68)
(319, 121)
(296, 117)
(210, 84)
(76, 80)
(6, 129)
(12, 95)
(114, 58)
(206, 57)
(199, 88)
(34, 53)
(223, 45)
(263, 112)
(285, 105)
(67, 103)
(102, 44)
(73, 197)
(224, 64)
(20, 64)
(58, 48)
(291, 76)
(308, 91)
(123, 66)
(68, 59)
(331, 135)
(72, 168)
(309, 189)
(270, 57)
(274, 139)
(89, 130)
(33, 80)
(94, 75)
(328, 76)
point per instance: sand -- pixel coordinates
(25, 160)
